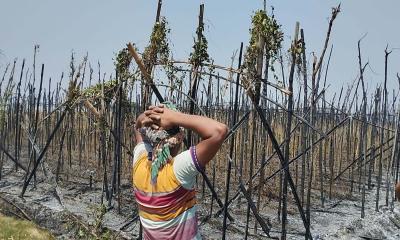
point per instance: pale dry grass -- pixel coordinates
(11, 228)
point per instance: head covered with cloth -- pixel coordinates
(165, 143)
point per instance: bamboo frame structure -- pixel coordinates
(289, 146)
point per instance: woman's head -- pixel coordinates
(165, 143)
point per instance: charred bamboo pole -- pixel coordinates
(37, 110)
(282, 160)
(389, 166)
(158, 10)
(257, 87)
(389, 174)
(363, 132)
(58, 124)
(397, 167)
(120, 118)
(115, 111)
(304, 128)
(60, 154)
(314, 119)
(287, 134)
(264, 225)
(17, 120)
(387, 53)
(264, 146)
(374, 133)
(195, 77)
(2, 139)
(228, 176)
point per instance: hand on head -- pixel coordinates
(162, 117)
(145, 121)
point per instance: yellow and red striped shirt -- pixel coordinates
(167, 209)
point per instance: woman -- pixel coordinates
(164, 180)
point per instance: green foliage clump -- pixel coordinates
(200, 47)
(122, 63)
(99, 212)
(158, 51)
(159, 44)
(267, 28)
(72, 94)
(95, 91)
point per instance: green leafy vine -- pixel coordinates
(267, 28)
(200, 47)
(122, 62)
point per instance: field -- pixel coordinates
(294, 164)
(16, 229)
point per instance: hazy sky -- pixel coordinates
(101, 28)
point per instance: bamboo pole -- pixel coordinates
(382, 135)
(228, 175)
(287, 133)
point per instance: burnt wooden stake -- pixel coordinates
(228, 174)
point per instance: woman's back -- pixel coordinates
(167, 208)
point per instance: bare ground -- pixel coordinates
(71, 210)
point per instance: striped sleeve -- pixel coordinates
(186, 167)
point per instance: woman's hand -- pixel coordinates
(145, 121)
(142, 121)
(163, 117)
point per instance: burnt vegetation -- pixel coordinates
(290, 150)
